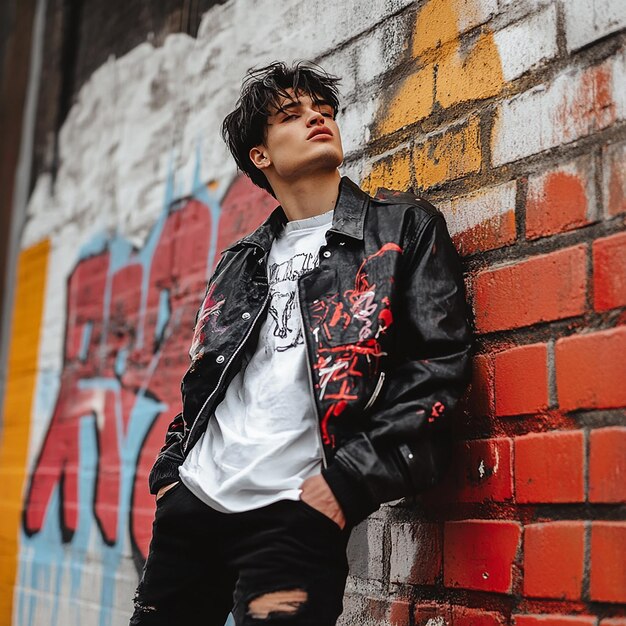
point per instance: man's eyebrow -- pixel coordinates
(293, 104)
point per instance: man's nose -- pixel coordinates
(315, 118)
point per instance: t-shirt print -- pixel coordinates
(286, 330)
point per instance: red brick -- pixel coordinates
(607, 465)
(521, 380)
(398, 613)
(479, 554)
(591, 370)
(609, 278)
(554, 555)
(540, 289)
(462, 616)
(554, 620)
(483, 470)
(614, 178)
(427, 614)
(549, 467)
(561, 199)
(608, 556)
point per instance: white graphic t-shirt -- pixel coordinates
(263, 439)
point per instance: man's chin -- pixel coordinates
(317, 164)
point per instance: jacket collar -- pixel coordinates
(348, 218)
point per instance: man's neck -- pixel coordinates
(309, 196)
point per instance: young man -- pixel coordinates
(329, 351)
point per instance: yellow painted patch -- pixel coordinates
(472, 75)
(453, 67)
(449, 155)
(413, 101)
(468, 70)
(437, 23)
(393, 173)
(16, 412)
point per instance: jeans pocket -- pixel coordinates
(312, 510)
(168, 493)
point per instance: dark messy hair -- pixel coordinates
(261, 91)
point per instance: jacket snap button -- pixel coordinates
(327, 253)
(245, 315)
(220, 358)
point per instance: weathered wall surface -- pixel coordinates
(508, 115)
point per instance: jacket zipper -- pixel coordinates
(308, 365)
(377, 388)
(219, 382)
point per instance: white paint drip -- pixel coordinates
(481, 469)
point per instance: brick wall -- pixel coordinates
(510, 117)
(516, 127)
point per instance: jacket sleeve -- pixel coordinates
(165, 468)
(404, 447)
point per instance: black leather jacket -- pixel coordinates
(387, 337)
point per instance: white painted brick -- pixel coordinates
(466, 212)
(355, 123)
(335, 23)
(365, 550)
(576, 104)
(353, 170)
(514, 9)
(471, 13)
(618, 84)
(413, 547)
(379, 51)
(589, 20)
(527, 43)
(293, 28)
(341, 63)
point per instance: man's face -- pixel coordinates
(302, 137)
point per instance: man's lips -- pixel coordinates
(320, 130)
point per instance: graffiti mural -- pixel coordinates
(130, 316)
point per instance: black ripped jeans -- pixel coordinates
(203, 564)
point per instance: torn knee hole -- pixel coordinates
(286, 601)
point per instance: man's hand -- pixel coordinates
(317, 493)
(165, 488)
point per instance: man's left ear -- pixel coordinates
(259, 157)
